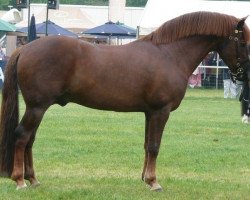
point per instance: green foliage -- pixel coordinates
(5, 3)
(77, 2)
(136, 3)
(81, 153)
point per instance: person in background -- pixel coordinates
(2, 55)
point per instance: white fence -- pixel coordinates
(209, 76)
(216, 77)
(213, 76)
(211, 73)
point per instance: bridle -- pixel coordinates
(241, 65)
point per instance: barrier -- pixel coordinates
(213, 76)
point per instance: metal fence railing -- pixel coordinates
(213, 76)
(209, 77)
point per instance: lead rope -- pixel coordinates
(248, 110)
(248, 90)
(240, 71)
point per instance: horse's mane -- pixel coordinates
(197, 23)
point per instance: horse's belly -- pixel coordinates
(108, 100)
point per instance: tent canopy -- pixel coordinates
(12, 16)
(113, 30)
(52, 29)
(70, 17)
(7, 27)
(159, 11)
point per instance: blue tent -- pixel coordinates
(111, 29)
(53, 29)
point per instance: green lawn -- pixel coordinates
(80, 153)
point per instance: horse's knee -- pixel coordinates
(19, 132)
(153, 149)
(21, 136)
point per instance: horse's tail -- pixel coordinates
(9, 116)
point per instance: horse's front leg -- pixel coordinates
(245, 106)
(156, 123)
(24, 134)
(145, 145)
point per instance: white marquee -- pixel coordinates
(159, 11)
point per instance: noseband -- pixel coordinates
(241, 65)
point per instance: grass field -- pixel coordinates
(80, 153)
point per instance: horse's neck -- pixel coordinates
(189, 52)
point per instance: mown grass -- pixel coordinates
(80, 153)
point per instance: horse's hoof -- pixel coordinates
(245, 119)
(21, 187)
(36, 184)
(156, 187)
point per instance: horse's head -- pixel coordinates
(234, 52)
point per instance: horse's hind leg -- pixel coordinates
(24, 136)
(28, 162)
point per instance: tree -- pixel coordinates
(4, 4)
(136, 3)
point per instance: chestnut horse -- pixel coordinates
(149, 75)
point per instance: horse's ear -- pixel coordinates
(241, 23)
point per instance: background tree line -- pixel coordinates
(131, 3)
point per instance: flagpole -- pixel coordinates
(28, 1)
(47, 16)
